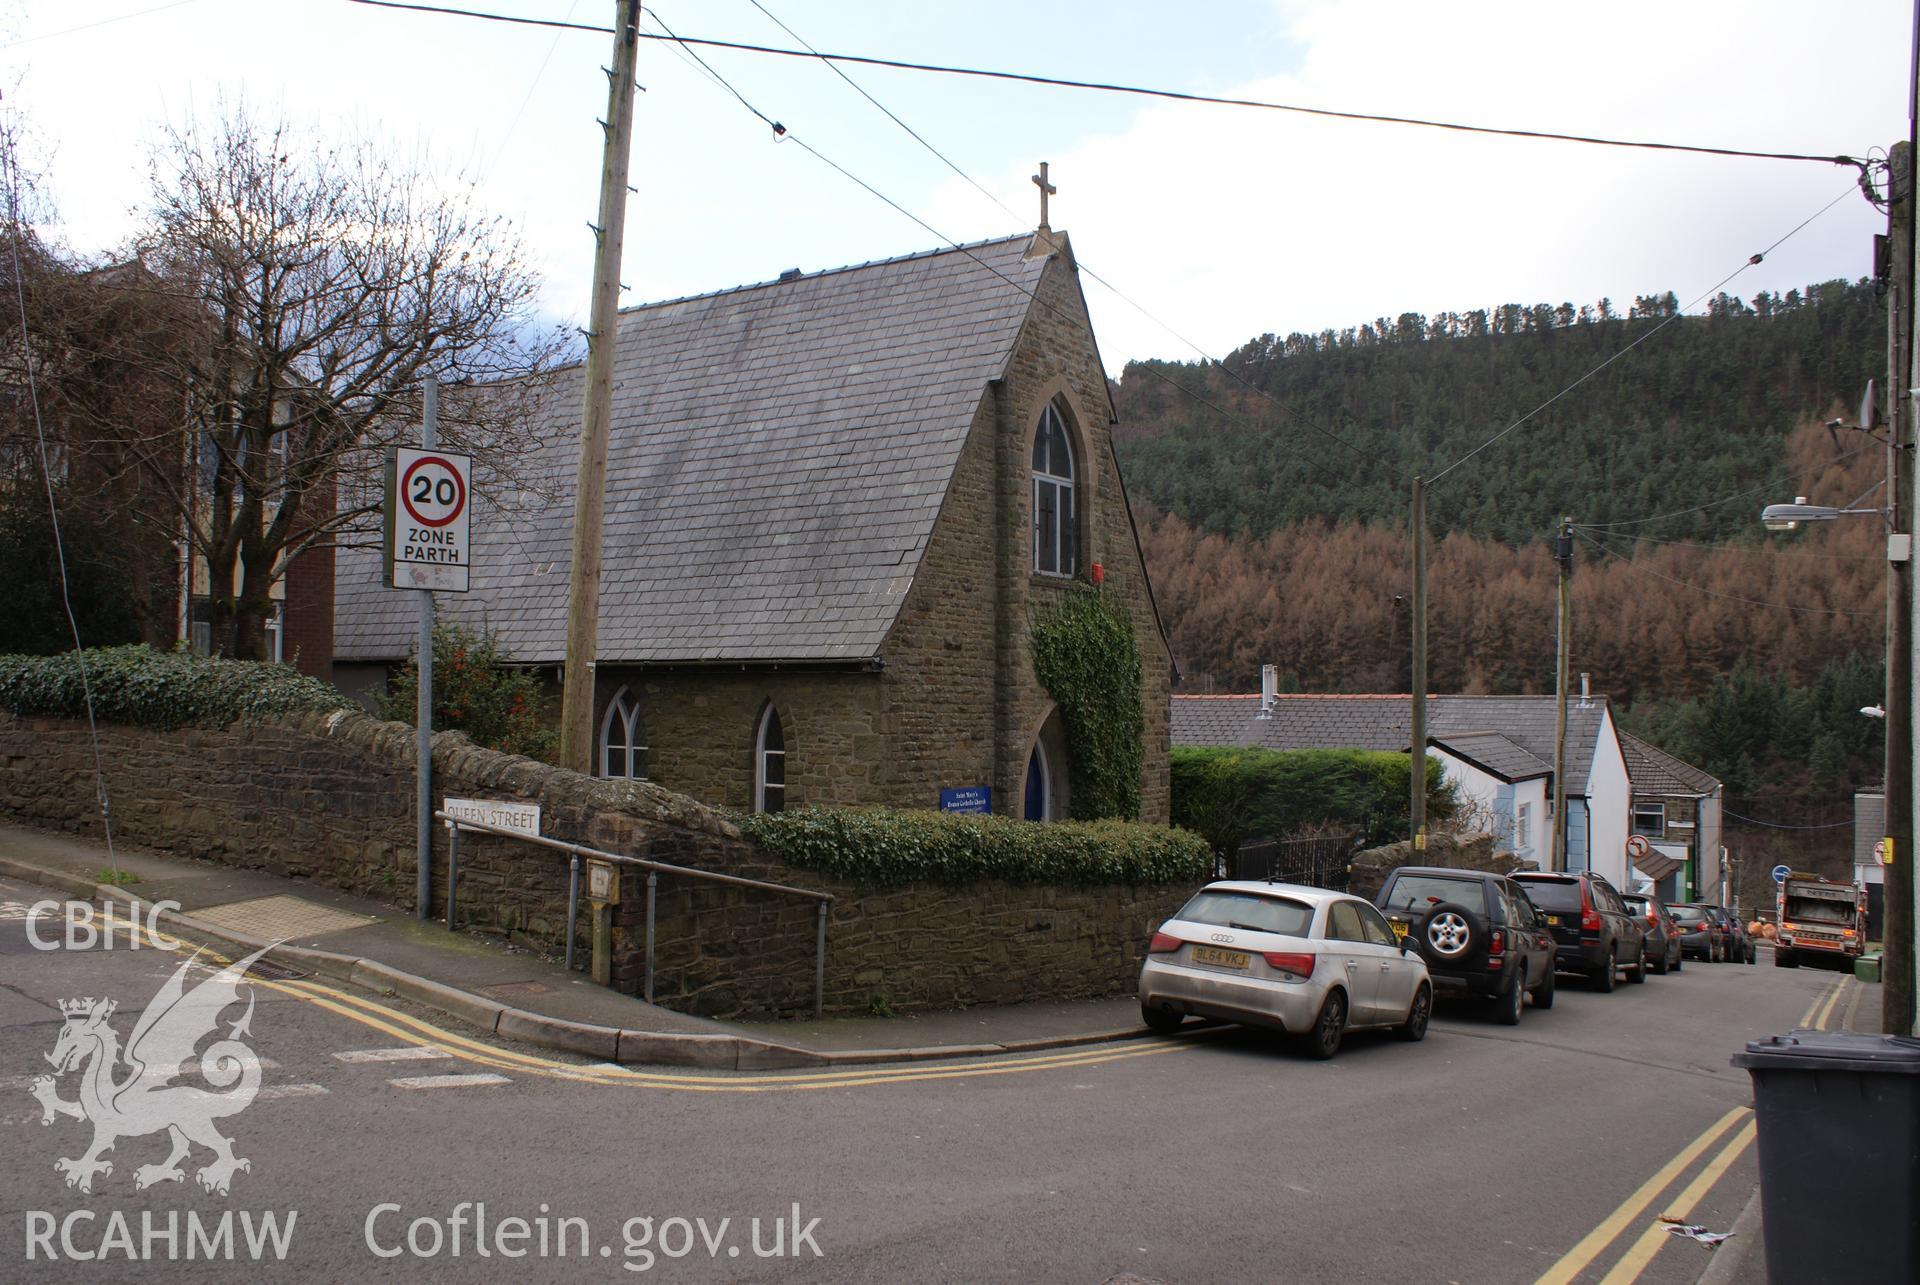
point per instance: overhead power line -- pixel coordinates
(103, 22)
(1061, 82)
(1631, 565)
(784, 134)
(1775, 825)
(1611, 528)
(10, 175)
(1764, 550)
(1677, 314)
(1080, 263)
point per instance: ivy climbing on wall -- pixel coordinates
(1085, 654)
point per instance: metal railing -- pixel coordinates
(654, 869)
(1320, 861)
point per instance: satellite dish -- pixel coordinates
(1866, 408)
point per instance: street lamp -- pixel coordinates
(1897, 712)
(1788, 517)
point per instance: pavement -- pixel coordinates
(1742, 1260)
(507, 989)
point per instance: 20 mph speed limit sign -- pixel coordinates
(428, 502)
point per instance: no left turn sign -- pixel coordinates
(428, 543)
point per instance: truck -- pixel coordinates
(1820, 920)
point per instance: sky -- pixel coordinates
(1216, 224)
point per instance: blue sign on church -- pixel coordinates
(971, 798)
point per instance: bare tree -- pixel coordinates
(293, 296)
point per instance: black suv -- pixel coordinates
(1477, 932)
(1590, 924)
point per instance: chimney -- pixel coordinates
(1586, 692)
(1269, 688)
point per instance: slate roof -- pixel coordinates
(777, 458)
(1653, 771)
(1384, 722)
(1496, 753)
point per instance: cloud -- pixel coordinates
(1227, 224)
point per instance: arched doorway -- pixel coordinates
(1039, 783)
(1044, 797)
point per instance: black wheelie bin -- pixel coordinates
(1838, 1116)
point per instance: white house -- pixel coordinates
(1496, 750)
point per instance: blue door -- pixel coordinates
(1036, 800)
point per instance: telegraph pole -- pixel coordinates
(1563, 556)
(1897, 933)
(1417, 759)
(589, 492)
(423, 692)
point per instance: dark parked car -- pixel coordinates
(1478, 932)
(1736, 946)
(1663, 935)
(1591, 928)
(1697, 932)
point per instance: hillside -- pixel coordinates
(1695, 412)
(1269, 543)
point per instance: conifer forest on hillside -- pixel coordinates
(1272, 496)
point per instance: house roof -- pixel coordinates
(1496, 753)
(778, 456)
(1384, 722)
(1653, 771)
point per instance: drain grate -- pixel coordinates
(265, 970)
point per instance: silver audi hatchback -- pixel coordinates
(1306, 961)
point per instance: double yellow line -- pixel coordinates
(414, 1031)
(1650, 1242)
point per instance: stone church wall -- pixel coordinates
(700, 727)
(330, 798)
(1056, 356)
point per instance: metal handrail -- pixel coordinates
(654, 870)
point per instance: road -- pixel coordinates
(1484, 1154)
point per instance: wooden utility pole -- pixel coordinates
(423, 690)
(1897, 933)
(589, 491)
(1563, 556)
(1417, 759)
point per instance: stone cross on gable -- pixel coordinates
(1046, 189)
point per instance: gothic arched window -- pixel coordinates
(1055, 546)
(623, 741)
(769, 763)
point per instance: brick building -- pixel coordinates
(834, 504)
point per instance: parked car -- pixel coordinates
(1478, 933)
(1305, 961)
(1592, 930)
(1697, 932)
(1735, 945)
(1723, 932)
(1663, 935)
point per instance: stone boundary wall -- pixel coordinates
(330, 797)
(1368, 871)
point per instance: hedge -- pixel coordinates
(1232, 794)
(140, 687)
(884, 847)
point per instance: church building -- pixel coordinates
(836, 503)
